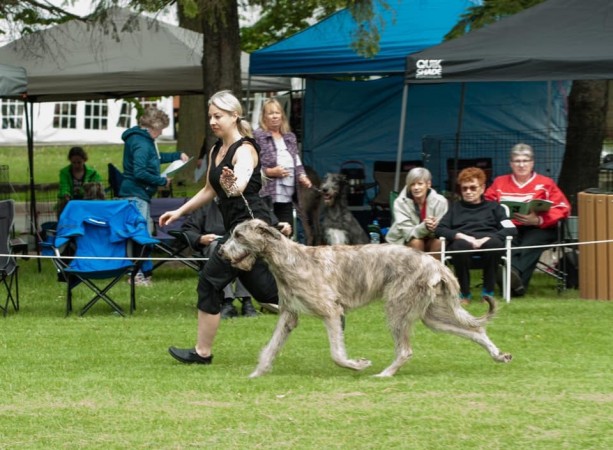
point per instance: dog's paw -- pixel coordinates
(256, 373)
(385, 374)
(359, 364)
(504, 357)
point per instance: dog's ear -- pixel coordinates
(266, 230)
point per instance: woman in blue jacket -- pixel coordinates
(141, 168)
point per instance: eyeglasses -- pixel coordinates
(471, 188)
(521, 161)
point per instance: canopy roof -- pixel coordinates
(325, 49)
(13, 81)
(129, 56)
(554, 40)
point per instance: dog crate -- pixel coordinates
(355, 172)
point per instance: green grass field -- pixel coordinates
(106, 382)
(48, 160)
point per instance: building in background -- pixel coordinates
(85, 122)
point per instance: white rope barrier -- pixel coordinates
(149, 258)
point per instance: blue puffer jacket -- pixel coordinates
(141, 164)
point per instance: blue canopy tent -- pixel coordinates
(360, 119)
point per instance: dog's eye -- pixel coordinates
(237, 235)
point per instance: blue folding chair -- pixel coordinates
(102, 238)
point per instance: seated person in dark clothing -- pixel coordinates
(475, 223)
(202, 229)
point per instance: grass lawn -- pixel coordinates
(48, 160)
(106, 382)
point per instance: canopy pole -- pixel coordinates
(549, 130)
(458, 135)
(248, 112)
(403, 118)
(29, 113)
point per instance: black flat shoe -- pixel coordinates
(189, 356)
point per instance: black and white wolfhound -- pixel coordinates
(338, 225)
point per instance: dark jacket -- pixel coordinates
(204, 220)
(141, 164)
(476, 220)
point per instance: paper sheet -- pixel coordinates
(173, 167)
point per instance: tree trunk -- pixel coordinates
(192, 118)
(221, 56)
(587, 108)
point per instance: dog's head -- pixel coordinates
(93, 191)
(334, 189)
(248, 241)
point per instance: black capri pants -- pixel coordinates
(218, 272)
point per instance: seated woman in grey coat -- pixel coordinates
(417, 212)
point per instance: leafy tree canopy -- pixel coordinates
(278, 18)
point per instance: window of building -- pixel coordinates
(12, 114)
(96, 115)
(125, 115)
(65, 115)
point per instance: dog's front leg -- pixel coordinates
(287, 322)
(337, 345)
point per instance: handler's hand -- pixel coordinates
(285, 228)
(169, 217)
(227, 180)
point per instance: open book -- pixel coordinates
(536, 205)
(174, 167)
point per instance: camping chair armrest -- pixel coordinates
(145, 241)
(183, 237)
(50, 248)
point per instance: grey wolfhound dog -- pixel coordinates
(338, 225)
(326, 281)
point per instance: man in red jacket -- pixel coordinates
(534, 228)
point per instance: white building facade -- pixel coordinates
(83, 122)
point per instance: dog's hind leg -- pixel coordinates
(400, 326)
(287, 322)
(334, 328)
(449, 324)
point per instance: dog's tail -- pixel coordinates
(450, 293)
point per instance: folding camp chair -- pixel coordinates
(115, 179)
(9, 270)
(505, 264)
(563, 268)
(384, 174)
(170, 240)
(104, 237)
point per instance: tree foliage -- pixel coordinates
(487, 13)
(587, 105)
(282, 18)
